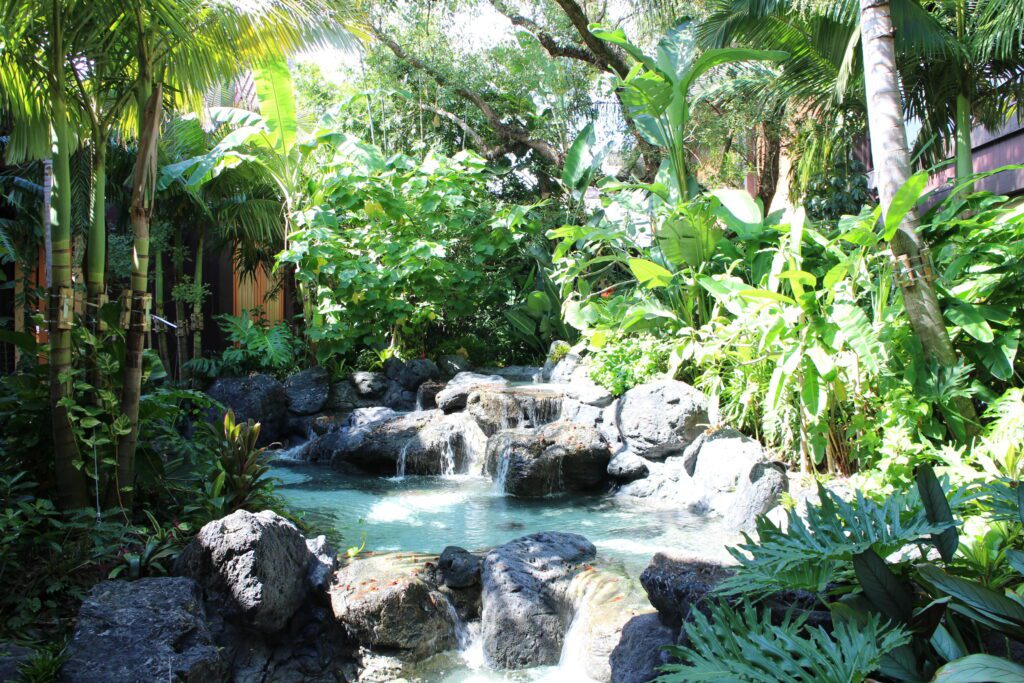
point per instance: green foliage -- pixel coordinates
(813, 550)
(190, 292)
(868, 561)
(258, 346)
(743, 645)
(401, 251)
(624, 362)
(841, 192)
(239, 477)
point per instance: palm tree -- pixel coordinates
(190, 45)
(35, 87)
(977, 78)
(891, 157)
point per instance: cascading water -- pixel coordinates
(501, 474)
(402, 457)
(572, 661)
(448, 446)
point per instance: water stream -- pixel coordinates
(425, 514)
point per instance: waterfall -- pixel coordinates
(400, 474)
(574, 648)
(501, 475)
(448, 453)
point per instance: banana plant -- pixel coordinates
(657, 92)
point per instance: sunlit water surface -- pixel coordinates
(426, 514)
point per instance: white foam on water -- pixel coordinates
(406, 507)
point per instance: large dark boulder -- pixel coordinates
(525, 609)
(308, 391)
(257, 397)
(146, 630)
(424, 442)
(251, 568)
(12, 657)
(426, 395)
(385, 602)
(452, 364)
(459, 568)
(416, 372)
(639, 652)
(561, 456)
(454, 395)
(661, 419)
(676, 585)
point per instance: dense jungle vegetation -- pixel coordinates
(722, 192)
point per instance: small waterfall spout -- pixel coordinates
(402, 457)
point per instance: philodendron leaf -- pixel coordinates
(936, 508)
(980, 669)
(882, 587)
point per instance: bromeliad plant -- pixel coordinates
(240, 478)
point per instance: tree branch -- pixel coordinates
(477, 141)
(508, 133)
(547, 41)
(605, 53)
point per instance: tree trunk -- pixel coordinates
(141, 204)
(158, 307)
(72, 491)
(97, 244)
(892, 168)
(964, 151)
(768, 149)
(181, 333)
(197, 306)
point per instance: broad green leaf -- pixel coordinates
(799, 276)
(946, 645)
(971, 320)
(975, 595)
(277, 104)
(766, 295)
(936, 508)
(579, 157)
(649, 274)
(809, 389)
(835, 275)
(882, 587)
(822, 361)
(904, 201)
(739, 204)
(617, 36)
(980, 669)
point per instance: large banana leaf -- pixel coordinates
(277, 104)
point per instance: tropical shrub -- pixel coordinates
(624, 362)
(258, 346)
(402, 252)
(905, 597)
